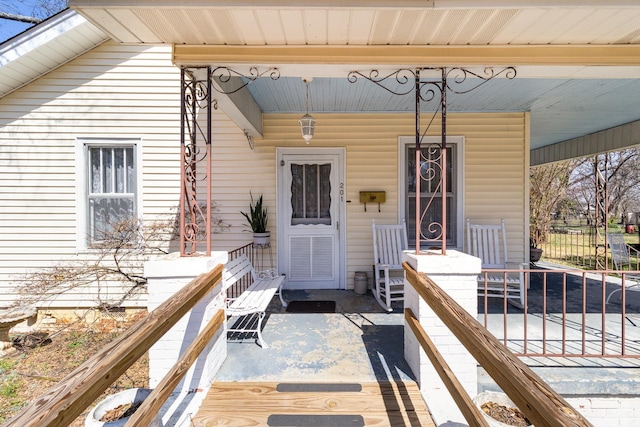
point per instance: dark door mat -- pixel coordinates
(285, 420)
(311, 307)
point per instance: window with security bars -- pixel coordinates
(430, 195)
(111, 189)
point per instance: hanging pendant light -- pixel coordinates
(307, 122)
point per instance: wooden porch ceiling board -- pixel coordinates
(548, 55)
(249, 403)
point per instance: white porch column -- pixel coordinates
(166, 276)
(456, 274)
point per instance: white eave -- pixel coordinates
(45, 47)
(367, 22)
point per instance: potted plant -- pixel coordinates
(535, 253)
(257, 220)
(116, 409)
(499, 410)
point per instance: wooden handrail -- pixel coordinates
(65, 401)
(543, 406)
(469, 410)
(145, 414)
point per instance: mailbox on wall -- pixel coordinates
(373, 197)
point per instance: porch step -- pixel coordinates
(313, 405)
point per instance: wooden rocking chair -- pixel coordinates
(388, 243)
(489, 243)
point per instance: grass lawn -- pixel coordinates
(579, 246)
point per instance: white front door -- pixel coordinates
(311, 217)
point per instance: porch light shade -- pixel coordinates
(307, 125)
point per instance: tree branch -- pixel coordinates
(20, 18)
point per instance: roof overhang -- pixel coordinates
(367, 22)
(547, 39)
(45, 47)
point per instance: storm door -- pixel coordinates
(310, 199)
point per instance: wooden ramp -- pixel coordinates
(313, 405)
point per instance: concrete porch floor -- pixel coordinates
(363, 343)
(359, 343)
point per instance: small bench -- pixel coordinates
(253, 302)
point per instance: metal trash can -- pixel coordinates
(360, 282)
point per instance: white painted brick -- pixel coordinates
(166, 352)
(608, 411)
(632, 403)
(626, 413)
(445, 271)
(458, 350)
(629, 422)
(603, 403)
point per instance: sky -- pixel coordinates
(10, 28)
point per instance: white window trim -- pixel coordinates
(82, 145)
(459, 142)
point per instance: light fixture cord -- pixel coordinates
(307, 83)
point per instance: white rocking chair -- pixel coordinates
(489, 243)
(621, 254)
(388, 243)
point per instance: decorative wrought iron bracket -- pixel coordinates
(198, 84)
(431, 165)
(226, 77)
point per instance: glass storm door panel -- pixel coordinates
(309, 220)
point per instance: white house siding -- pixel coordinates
(237, 172)
(113, 91)
(371, 140)
(497, 175)
(133, 92)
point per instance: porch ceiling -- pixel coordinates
(578, 61)
(560, 108)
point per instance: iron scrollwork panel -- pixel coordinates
(198, 86)
(432, 91)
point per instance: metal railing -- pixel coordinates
(241, 285)
(567, 313)
(574, 246)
